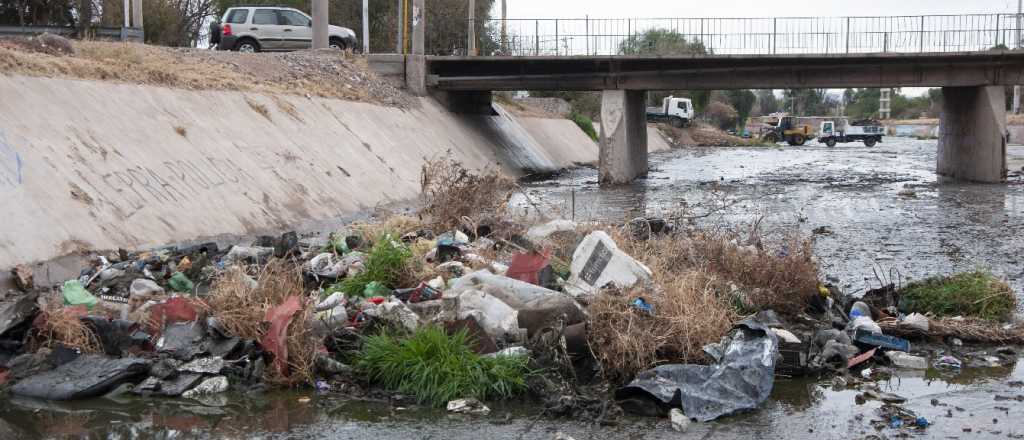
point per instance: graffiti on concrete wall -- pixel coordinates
(10, 164)
(132, 188)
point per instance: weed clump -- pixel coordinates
(976, 294)
(436, 367)
(386, 263)
(450, 193)
(585, 124)
(241, 306)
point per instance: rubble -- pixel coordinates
(598, 262)
(468, 406)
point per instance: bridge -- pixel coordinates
(966, 55)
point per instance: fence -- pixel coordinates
(102, 33)
(746, 36)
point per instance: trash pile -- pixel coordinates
(553, 309)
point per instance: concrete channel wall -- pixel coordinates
(94, 165)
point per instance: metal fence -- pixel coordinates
(746, 36)
(102, 33)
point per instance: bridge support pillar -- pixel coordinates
(623, 138)
(972, 135)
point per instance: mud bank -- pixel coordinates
(98, 165)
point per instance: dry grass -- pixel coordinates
(241, 309)
(258, 108)
(968, 330)
(692, 304)
(453, 196)
(63, 326)
(328, 74)
(287, 108)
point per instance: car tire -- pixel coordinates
(771, 137)
(247, 45)
(797, 140)
(830, 142)
(337, 43)
(677, 122)
(870, 142)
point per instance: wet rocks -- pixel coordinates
(213, 385)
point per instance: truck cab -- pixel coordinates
(678, 112)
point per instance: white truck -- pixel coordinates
(842, 131)
(678, 112)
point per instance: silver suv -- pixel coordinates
(265, 28)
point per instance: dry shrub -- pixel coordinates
(450, 193)
(241, 309)
(63, 326)
(688, 313)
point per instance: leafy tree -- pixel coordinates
(805, 102)
(743, 101)
(767, 103)
(660, 42)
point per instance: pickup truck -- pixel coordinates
(678, 112)
(842, 131)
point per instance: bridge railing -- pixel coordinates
(741, 36)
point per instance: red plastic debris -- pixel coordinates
(860, 358)
(376, 300)
(176, 309)
(276, 339)
(526, 267)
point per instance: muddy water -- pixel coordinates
(883, 208)
(852, 190)
(974, 399)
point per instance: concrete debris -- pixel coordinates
(468, 406)
(679, 421)
(210, 365)
(213, 385)
(23, 278)
(145, 287)
(543, 231)
(904, 360)
(598, 262)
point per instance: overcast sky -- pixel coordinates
(733, 8)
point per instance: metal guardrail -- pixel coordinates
(745, 36)
(103, 33)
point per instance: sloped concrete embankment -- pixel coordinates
(95, 165)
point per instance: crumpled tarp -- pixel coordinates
(87, 376)
(741, 380)
(276, 339)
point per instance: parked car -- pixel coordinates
(271, 28)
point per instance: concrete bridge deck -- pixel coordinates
(719, 72)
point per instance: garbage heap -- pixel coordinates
(196, 321)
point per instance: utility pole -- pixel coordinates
(400, 40)
(471, 46)
(320, 39)
(1016, 45)
(504, 28)
(366, 27)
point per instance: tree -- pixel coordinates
(660, 42)
(177, 22)
(767, 103)
(743, 101)
(805, 102)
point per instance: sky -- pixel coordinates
(732, 8)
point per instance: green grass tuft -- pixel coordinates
(384, 264)
(437, 368)
(976, 294)
(585, 124)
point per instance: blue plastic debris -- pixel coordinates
(895, 422)
(643, 306)
(921, 422)
(878, 340)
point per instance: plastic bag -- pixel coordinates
(75, 294)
